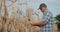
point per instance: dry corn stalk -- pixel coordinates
(0, 6)
(4, 26)
(5, 9)
(1, 23)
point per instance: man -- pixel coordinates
(46, 25)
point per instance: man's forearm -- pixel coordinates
(39, 24)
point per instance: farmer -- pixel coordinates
(46, 25)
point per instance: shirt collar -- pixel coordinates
(45, 11)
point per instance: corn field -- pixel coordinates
(15, 23)
(18, 21)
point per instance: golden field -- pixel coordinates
(16, 23)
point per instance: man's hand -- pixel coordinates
(33, 23)
(40, 23)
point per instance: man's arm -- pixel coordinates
(38, 24)
(44, 21)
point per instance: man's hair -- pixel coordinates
(42, 5)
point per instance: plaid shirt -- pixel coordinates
(48, 20)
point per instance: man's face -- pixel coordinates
(43, 9)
